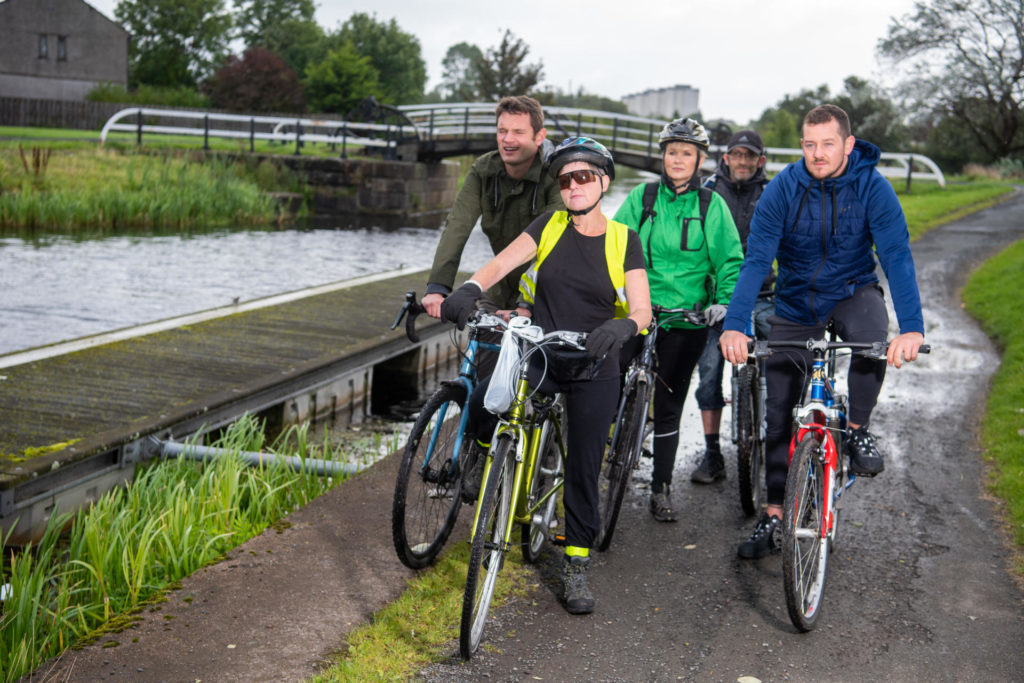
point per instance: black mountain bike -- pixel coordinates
(633, 423)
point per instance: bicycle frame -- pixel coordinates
(529, 431)
(468, 378)
(818, 417)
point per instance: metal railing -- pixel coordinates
(440, 130)
(145, 122)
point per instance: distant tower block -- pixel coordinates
(664, 103)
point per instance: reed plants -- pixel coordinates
(106, 189)
(175, 517)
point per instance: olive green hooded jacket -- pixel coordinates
(505, 206)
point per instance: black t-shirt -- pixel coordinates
(574, 290)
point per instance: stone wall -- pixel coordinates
(387, 194)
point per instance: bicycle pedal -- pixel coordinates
(558, 539)
(646, 453)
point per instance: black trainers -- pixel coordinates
(710, 469)
(475, 458)
(661, 506)
(865, 459)
(763, 540)
(575, 593)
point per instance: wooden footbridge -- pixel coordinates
(76, 417)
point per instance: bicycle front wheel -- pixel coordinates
(428, 488)
(804, 542)
(618, 465)
(749, 448)
(489, 546)
(547, 474)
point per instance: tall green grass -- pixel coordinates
(104, 189)
(175, 517)
(992, 296)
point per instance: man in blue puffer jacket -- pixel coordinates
(823, 218)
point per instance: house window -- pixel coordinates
(62, 48)
(42, 46)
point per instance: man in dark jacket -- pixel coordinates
(739, 179)
(505, 190)
(822, 219)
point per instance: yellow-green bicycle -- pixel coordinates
(522, 476)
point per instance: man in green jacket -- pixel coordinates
(506, 190)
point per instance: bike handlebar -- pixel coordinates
(763, 349)
(409, 310)
(694, 316)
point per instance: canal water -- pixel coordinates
(56, 288)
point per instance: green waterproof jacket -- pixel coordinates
(700, 268)
(505, 206)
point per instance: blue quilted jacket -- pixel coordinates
(825, 234)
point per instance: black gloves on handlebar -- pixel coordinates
(609, 335)
(460, 304)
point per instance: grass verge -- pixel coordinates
(990, 296)
(134, 542)
(71, 190)
(928, 206)
(418, 628)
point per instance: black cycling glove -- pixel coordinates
(609, 335)
(460, 304)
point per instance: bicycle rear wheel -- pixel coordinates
(547, 474)
(804, 542)
(428, 489)
(749, 447)
(489, 546)
(621, 460)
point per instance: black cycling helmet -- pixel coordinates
(581, 149)
(684, 130)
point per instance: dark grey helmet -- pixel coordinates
(581, 149)
(684, 130)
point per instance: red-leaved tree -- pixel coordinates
(258, 81)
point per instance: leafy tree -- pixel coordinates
(340, 81)
(779, 128)
(395, 54)
(501, 71)
(174, 42)
(873, 115)
(256, 19)
(297, 41)
(459, 81)
(965, 61)
(581, 100)
(258, 81)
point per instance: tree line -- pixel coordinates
(961, 99)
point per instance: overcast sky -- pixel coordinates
(742, 55)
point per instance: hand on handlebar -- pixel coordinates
(432, 304)
(609, 335)
(461, 304)
(714, 314)
(904, 348)
(734, 346)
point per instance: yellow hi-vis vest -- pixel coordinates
(614, 253)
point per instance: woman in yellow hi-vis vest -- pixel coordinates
(589, 277)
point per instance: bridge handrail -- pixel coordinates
(632, 139)
(337, 131)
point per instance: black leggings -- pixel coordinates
(861, 318)
(590, 408)
(678, 352)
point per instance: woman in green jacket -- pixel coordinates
(690, 262)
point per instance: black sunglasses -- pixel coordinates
(581, 177)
